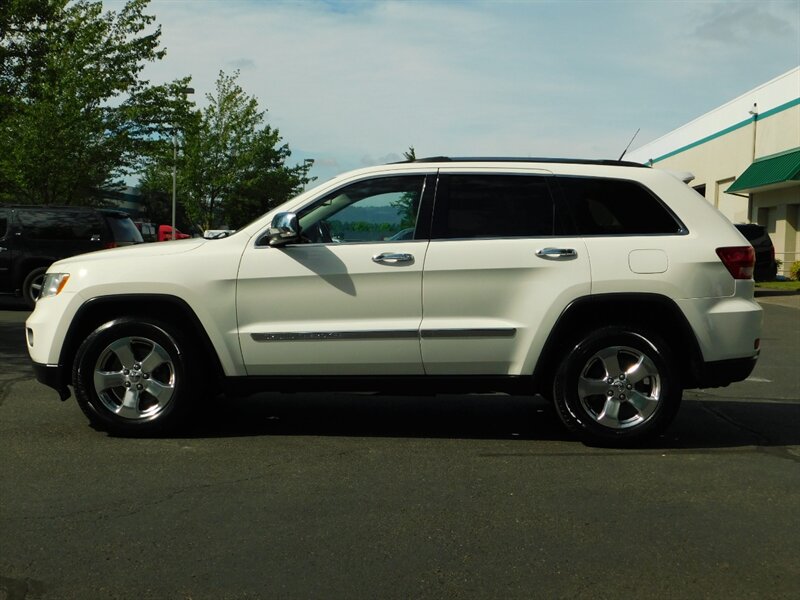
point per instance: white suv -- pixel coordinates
(607, 286)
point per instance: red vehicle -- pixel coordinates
(165, 233)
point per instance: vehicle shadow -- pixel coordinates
(13, 303)
(700, 424)
(12, 338)
(377, 415)
(761, 292)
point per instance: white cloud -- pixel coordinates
(241, 63)
(368, 79)
(733, 25)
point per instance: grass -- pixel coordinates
(785, 286)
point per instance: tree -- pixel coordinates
(75, 114)
(232, 166)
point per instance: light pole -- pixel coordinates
(754, 112)
(186, 91)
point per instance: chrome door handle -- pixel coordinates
(556, 253)
(392, 258)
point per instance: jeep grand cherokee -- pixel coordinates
(608, 287)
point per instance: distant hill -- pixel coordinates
(372, 214)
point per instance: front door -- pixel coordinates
(346, 301)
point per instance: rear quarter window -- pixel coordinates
(615, 207)
(123, 229)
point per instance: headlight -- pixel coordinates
(53, 284)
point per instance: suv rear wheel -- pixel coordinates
(130, 377)
(617, 384)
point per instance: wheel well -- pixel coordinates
(650, 312)
(169, 309)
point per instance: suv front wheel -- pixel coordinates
(130, 377)
(32, 286)
(618, 384)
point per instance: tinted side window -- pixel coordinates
(378, 209)
(3, 224)
(47, 224)
(486, 206)
(615, 207)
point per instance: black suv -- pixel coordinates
(766, 268)
(33, 237)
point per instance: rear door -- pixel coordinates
(497, 274)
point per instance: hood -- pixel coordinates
(138, 250)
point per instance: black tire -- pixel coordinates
(131, 377)
(617, 385)
(32, 286)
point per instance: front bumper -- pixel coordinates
(53, 376)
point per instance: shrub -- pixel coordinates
(794, 271)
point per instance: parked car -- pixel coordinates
(602, 285)
(766, 268)
(32, 237)
(165, 233)
(148, 230)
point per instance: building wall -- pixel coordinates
(779, 132)
(717, 162)
(779, 212)
(718, 146)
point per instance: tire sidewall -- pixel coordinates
(83, 376)
(565, 388)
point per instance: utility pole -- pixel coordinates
(186, 91)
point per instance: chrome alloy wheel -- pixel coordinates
(619, 387)
(134, 378)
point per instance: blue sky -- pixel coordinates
(356, 83)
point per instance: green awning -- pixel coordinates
(776, 171)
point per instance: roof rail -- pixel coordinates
(517, 159)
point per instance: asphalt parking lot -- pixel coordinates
(360, 496)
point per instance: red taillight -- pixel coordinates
(109, 245)
(739, 260)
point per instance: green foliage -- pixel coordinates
(406, 209)
(782, 286)
(231, 166)
(794, 270)
(405, 204)
(75, 114)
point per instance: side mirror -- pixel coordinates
(284, 229)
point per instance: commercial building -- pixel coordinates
(745, 156)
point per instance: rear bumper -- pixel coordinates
(724, 372)
(52, 376)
